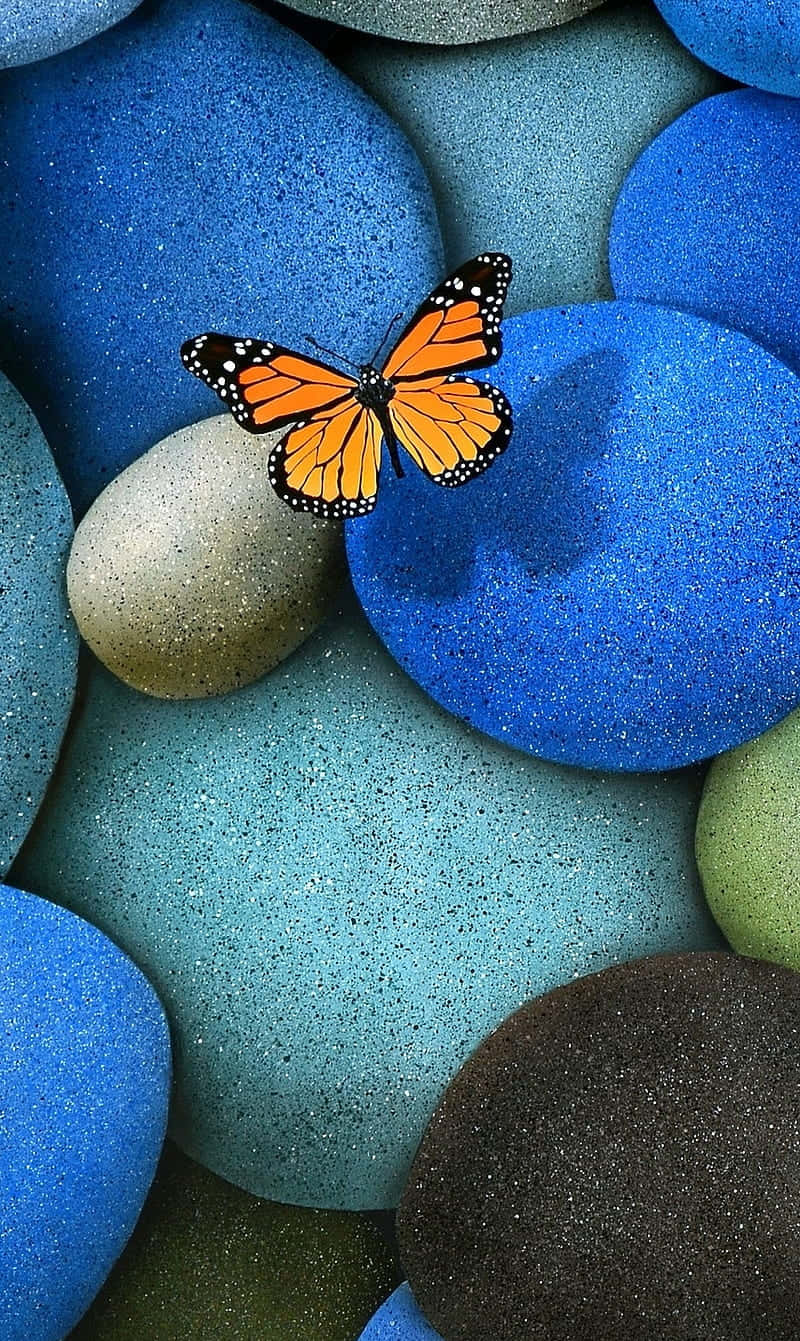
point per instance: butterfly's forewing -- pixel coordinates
(458, 325)
(329, 464)
(452, 429)
(264, 385)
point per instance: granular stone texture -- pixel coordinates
(621, 588)
(527, 142)
(620, 1159)
(708, 219)
(747, 844)
(189, 577)
(208, 1260)
(339, 890)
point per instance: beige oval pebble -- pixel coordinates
(189, 577)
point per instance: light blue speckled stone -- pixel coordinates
(399, 1319)
(85, 1067)
(754, 41)
(33, 29)
(527, 141)
(39, 647)
(338, 890)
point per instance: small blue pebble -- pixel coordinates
(754, 41)
(399, 1319)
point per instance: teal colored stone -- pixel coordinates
(39, 648)
(527, 142)
(338, 890)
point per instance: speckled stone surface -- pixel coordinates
(621, 1159)
(399, 1319)
(527, 141)
(752, 42)
(209, 171)
(208, 1260)
(338, 890)
(445, 23)
(189, 577)
(621, 589)
(747, 847)
(30, 30)
(38, 660)
(85, 1066)
(708, 219)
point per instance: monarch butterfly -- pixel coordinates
(329, 462)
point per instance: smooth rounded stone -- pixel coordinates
(30, 30)
(621, 1158)
(208, 1260)
(188, 576)
(199, 167)
(38, 662)
(747, 847)
(346, 891)
(399, 1319)
(85, 1062)
(752, 42)
(420, 21)
(527, 142)
(618, 590)
(708, 219)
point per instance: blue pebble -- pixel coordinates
(197, 168)
(84, 1056)
(621, 589)
(31, 29)
(754, 41)
(39, 653)
(708, 219)
(399, 1319)
(348, 889)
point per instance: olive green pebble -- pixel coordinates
(209, 1260)
(189, 577)
(747, 844)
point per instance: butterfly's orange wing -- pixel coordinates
(264, 385)
(458, 325)
(329, 464)
(452, 428)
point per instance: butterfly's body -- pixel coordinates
(452, 427)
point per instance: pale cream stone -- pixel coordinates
(189, 577)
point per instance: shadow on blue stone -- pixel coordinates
(558, 495)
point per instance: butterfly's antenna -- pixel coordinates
(324, 349)
(398, 316)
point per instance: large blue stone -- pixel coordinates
(85, 1065)
(197, 168)
(621, 589)
(708, 219)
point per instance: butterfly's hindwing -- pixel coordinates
(454, 429)
(329, 464)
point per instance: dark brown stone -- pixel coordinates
(620, 1159)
